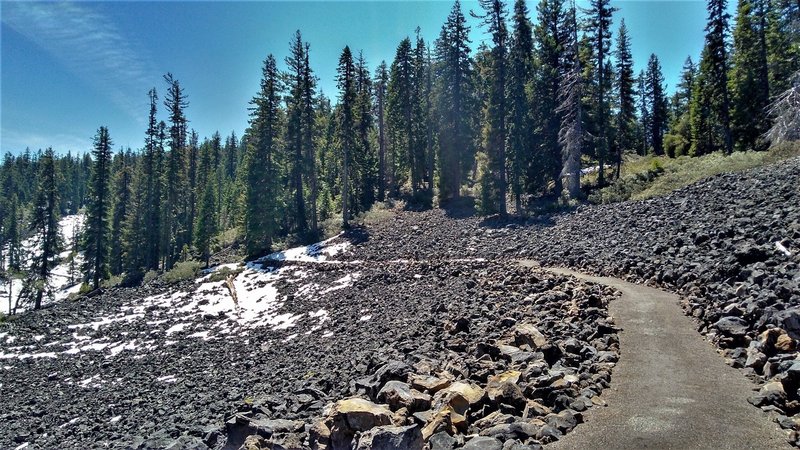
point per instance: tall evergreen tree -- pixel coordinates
(364, 160)
(420, 121)
(192, 154)
(206, 227)
(175, 226)
(400, 115)
(717, 55)
(520, 124)
(295, 134)
(748, 83)
(152, 171)
(551, 39)
(12, 234)
(571, 134)
(657, 104)
(599, 27)
(45, 225)
(135, 246)
(308, 125)
(122, 200)
(380, 84)
(626, 112)
(701, 109)
(494, 19)
(643, 106)
(678, 141)
(96, 237)
(782, 43)
(262, 192)
(346, 82)
(455, 103)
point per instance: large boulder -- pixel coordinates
(732, 326)
(503, 388)
(344, 419)
(528, 334)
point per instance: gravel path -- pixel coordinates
(670, 388)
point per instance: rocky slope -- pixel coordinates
(313, 353)
(730, 245)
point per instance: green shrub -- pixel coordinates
(114, 281)
(380, 212)
(85, 289)
(149, 276)
(182, 271)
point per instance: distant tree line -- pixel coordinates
(510, 121)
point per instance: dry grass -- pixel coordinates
(653, 176)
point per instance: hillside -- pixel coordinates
(427, 299)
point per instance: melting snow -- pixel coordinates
(318, 252)
(177, 328)
(256, 301)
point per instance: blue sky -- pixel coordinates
(68, 68)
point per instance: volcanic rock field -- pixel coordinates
(422, 331)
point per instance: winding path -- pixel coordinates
(670, 388)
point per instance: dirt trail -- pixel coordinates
(670, 388)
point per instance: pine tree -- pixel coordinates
(96, 236)
(748, 83)
(420, 122)
(206, 227)
(346, 82)
(520, 125)
(599, 26)
(308, 123)
(551, 38)
(380, 84)
(626, 113)
(45, 225)
(494, 19)
(12, 235)
(657, 104)
(294, 130)
(455, 104)
(782, 43)
(717, 55)
(152, 179)
(262, 184)
(136, 248)
(644, 114)
(122, 200)
(571, 134)
(678, 141)
(364, 160)
(701, 109)
(400, 110)
(192, 154)
(175, 226)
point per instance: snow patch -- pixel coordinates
(318, 252)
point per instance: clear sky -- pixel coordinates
(68, 68)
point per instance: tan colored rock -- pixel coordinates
(472, 393)
(528, 334)
(429, 383)
(361, 415)
(503, 388)
(784, 343)
(535, 409)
